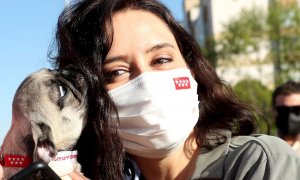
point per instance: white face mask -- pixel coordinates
(157, 111)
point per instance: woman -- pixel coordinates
(177, 119)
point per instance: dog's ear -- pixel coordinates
(29, 142)
(70, 67)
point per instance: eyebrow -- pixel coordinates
(115, 58)
(154, 48)
(159, 46)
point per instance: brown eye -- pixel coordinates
(115, 75)
(163, 60)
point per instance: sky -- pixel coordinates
(26, 32)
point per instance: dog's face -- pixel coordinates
(55, 103)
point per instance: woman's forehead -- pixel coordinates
(140, 25)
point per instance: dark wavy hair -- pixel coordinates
(84, 37)
(287, 88)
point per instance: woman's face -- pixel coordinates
(141, 42)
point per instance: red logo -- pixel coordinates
(182, 83)
(15, 161)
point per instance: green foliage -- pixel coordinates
(284, 34)
(280, 27)
(210, 51)
(254, 93)
(242, 34)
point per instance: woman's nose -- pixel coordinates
(139, 66)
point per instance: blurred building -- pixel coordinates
(205, 19)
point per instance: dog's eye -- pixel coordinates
(62, 91)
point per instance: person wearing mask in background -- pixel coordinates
(286, 110)
(177, 118)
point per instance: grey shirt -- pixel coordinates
(249, 157)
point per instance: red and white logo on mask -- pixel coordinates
(182, 83)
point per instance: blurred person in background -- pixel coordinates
(286, 111)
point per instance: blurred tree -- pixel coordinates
(284, 35)
(242, 35)
(279, 28)
(209, 51)
(254, 93)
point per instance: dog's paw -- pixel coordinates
(61, 169)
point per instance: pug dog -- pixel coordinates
(48, 116)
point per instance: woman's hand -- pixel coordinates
(1, 172)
